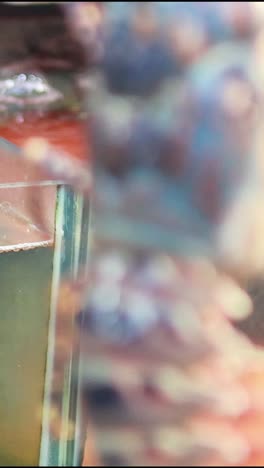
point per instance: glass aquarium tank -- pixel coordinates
(43, 244)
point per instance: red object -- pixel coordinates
(62, 130)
